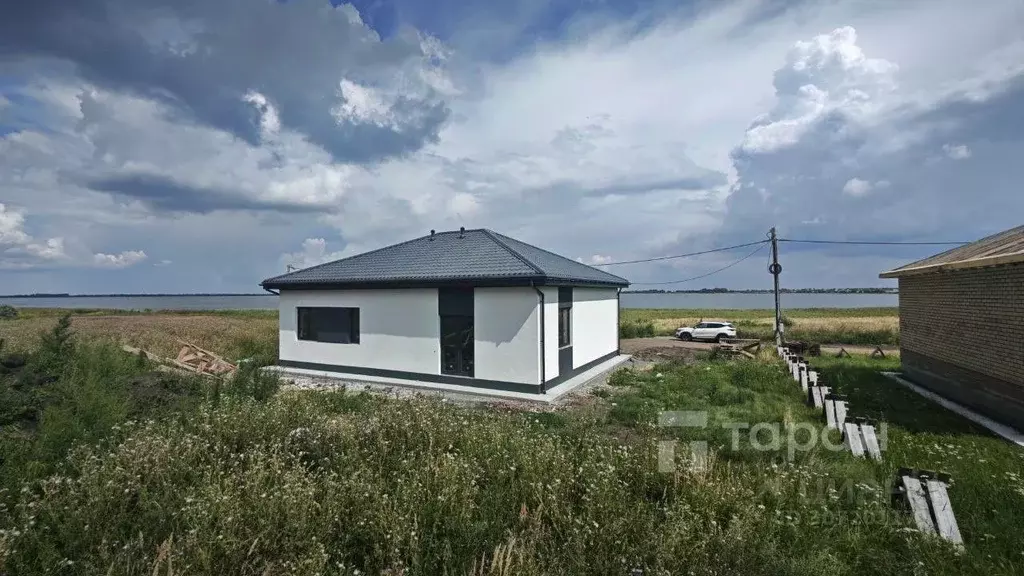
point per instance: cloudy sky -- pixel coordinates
(204, 145)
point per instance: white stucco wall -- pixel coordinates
(398, 329)
(550, 333)
(507, 333)
(595, 330)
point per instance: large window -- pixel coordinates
(455, 310)
(336, 325)
(564, 317)
(564, 327)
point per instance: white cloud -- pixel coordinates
(19, 250)
(122, 260)
(53, 249)
(314, 251)
(163, 263)
(363, 104)
(596, 260)
(270, 122)
(11, 222)
(826, 74)
(959, 152)
(604, 143)
(857, 187)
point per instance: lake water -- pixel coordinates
(269, 302)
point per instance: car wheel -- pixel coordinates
(686, 336)
(721, 337)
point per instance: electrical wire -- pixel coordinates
(871, 243)
(756, 250)
(683, 255)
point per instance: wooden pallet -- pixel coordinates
(924, 492)
(860, 438)
(835, 410)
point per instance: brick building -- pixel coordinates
(962, 324)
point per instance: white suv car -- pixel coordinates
(716, 331)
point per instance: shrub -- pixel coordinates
(251, 381)
(56, 346)
(636, 329)
(7, 311)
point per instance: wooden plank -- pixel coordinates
(830, 414)
(803, 379)
(840, 413)
(942, 509)
(812, 378)
(851, 436)
(870, 441)
(817, 397)
(918, 504)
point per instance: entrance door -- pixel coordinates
(455, 311)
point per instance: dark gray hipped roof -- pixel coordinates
(479, 257)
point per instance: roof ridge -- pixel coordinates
(492, 235)
(595, 268)
(374, 251)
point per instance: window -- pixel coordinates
(564, 327)
(455, 309)
(335, 325)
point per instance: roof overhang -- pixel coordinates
(1000, 260)
(429, 283)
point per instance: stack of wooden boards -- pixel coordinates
(193, 359)
(747, 347)
(922, 491)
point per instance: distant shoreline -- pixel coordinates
(702, 291)
(767, 291)
(130, 295)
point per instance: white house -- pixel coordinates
(466, 307)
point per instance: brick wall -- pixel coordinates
(962, 333)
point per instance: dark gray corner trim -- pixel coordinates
(444, 379)
(577, 371)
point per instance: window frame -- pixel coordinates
(566, 328)
(312, 334)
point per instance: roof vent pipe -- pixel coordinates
(431, 234)
(462, 231)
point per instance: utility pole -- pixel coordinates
(775, 269)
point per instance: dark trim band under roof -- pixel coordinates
(471, 257)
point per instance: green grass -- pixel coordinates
(987, 471)
(123, 477)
